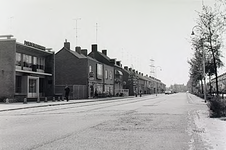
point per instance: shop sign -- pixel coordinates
(34, 45)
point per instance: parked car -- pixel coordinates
(168, 92)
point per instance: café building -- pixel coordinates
(26, 70)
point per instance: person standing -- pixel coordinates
(67, 91)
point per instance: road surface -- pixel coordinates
(147, 123)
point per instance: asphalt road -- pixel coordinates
(165, 122)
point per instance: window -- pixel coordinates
(99, 71)
(106, 74)
(90, 68)
(18, 84)
(110, 75)
(41, 63)
(25, 60)
(18, 59)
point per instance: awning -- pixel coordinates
(118, 72)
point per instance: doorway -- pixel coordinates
(33, 87)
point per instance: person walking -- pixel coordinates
(67, 91)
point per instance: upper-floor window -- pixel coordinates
(90, 68)
(27, 61)
(18, 59)
(106, 74)
(41, 63)
(110, 75)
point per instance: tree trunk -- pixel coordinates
(215, 68)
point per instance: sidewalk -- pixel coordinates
(20, 105)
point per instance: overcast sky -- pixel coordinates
(133, 31)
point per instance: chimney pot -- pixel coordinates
(67, 44)
(118, 63)
(104, 52)
(94, 47)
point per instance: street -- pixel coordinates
(148, 122)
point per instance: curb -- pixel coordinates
(67, 103)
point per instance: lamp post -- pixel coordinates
(203, 62)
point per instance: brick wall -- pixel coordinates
(7, 68)
(70, 69)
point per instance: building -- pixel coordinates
(27, 70)
(116, 81)
(83, 74)
(221, 84)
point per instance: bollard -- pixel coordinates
(38, 100)
(46, 99)
(7, 101)
(53, 99)
(25, 100)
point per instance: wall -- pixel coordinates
(7, 68)
(70, 69)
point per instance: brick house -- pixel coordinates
(83, 74)
(27, 70)
(116, 83)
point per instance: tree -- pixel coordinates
(209, 32)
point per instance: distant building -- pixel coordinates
(27, 70)
(178, 88)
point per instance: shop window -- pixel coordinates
(41, 85)
(18, 84)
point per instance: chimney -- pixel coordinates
(78, 49)
(112, 61)
(84, 52)
(130, 69)
(126, 67)
(104, 52)
(67, 44)
(118, 63)
(94, 47)
(136, 72)
(142, 74)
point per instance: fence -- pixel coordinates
(76, 91)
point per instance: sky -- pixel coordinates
(132, 31)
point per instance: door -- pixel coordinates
(33, 87)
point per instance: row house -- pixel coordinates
(137, 82)
(83, 74)
(33, 71)
(27, 70)
(115, 84)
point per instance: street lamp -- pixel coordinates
(203, 62)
